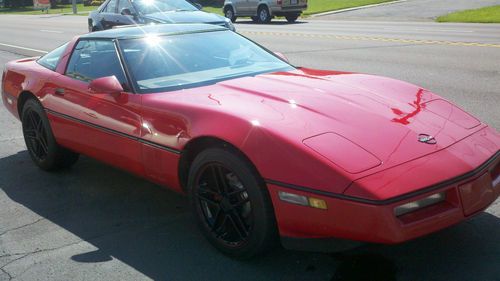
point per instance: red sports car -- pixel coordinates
(264, 150)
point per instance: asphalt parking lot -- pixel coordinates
(94, 222)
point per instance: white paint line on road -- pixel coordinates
(23, 48)
(50, 31)
(427, 30)
(445, 30)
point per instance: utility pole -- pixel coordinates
(74, 7)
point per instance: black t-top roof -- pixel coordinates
(147, 30)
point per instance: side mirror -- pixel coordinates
(281, 56)
(198, 6)
(105, 85)
(127, 12)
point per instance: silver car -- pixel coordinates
(262, 11)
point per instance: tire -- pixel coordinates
(291, 18)
(229, 13)
(263, 14)
(40, 141)
(231, 204)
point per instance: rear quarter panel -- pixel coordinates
(24, 75)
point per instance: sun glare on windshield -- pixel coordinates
(152, 40)
(148, 2)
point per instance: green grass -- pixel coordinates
(483, 15)
(319, 6)
(62, 9)
(215, 10)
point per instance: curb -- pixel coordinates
(356, 8)
(78, 13)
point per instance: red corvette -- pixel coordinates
(263, 149)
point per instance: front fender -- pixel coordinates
(276, 157)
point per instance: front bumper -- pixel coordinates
(375, 221)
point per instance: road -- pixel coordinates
(412, 10)
(94, 222)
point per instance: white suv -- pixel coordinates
(263, 11)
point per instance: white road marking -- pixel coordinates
(429, 30)
(23, 48)
(50, 31)
(446, 30)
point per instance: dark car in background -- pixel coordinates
(114, 13)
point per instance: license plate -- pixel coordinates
(294, 2)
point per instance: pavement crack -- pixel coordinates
(12, 261)
(22, 226)
(27, 254)
(6, 273)
(89, 239)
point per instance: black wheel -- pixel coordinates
(229, 13)
(291, 18)
(40, 141)
(231, 204)
(263, 14)
(255, 19)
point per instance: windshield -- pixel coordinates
(166, 63)
(160, 6)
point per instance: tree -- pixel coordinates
(17, 3)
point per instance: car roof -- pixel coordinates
(156, 29)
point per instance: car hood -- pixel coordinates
(185, 17)
(383, 120)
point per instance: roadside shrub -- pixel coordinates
(17, 3)
(210, 3)
(93, 2)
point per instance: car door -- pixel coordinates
(252, 7)
(109, 16)
(124, 19)
(105, 127)
(240, 6)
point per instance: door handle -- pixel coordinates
(59, 92)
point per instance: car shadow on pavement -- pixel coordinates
(150, 229)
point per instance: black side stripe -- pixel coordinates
(111, 131)
(392, 200)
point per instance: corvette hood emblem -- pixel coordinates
(428, 139)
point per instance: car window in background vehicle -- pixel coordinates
(124, 4)
(110, 8)
(174, 62)
(93, 59)
(159, 6)
(51, 59)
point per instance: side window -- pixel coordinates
(122, 4)
(51, 59)
(111, 7)
(93, 59)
